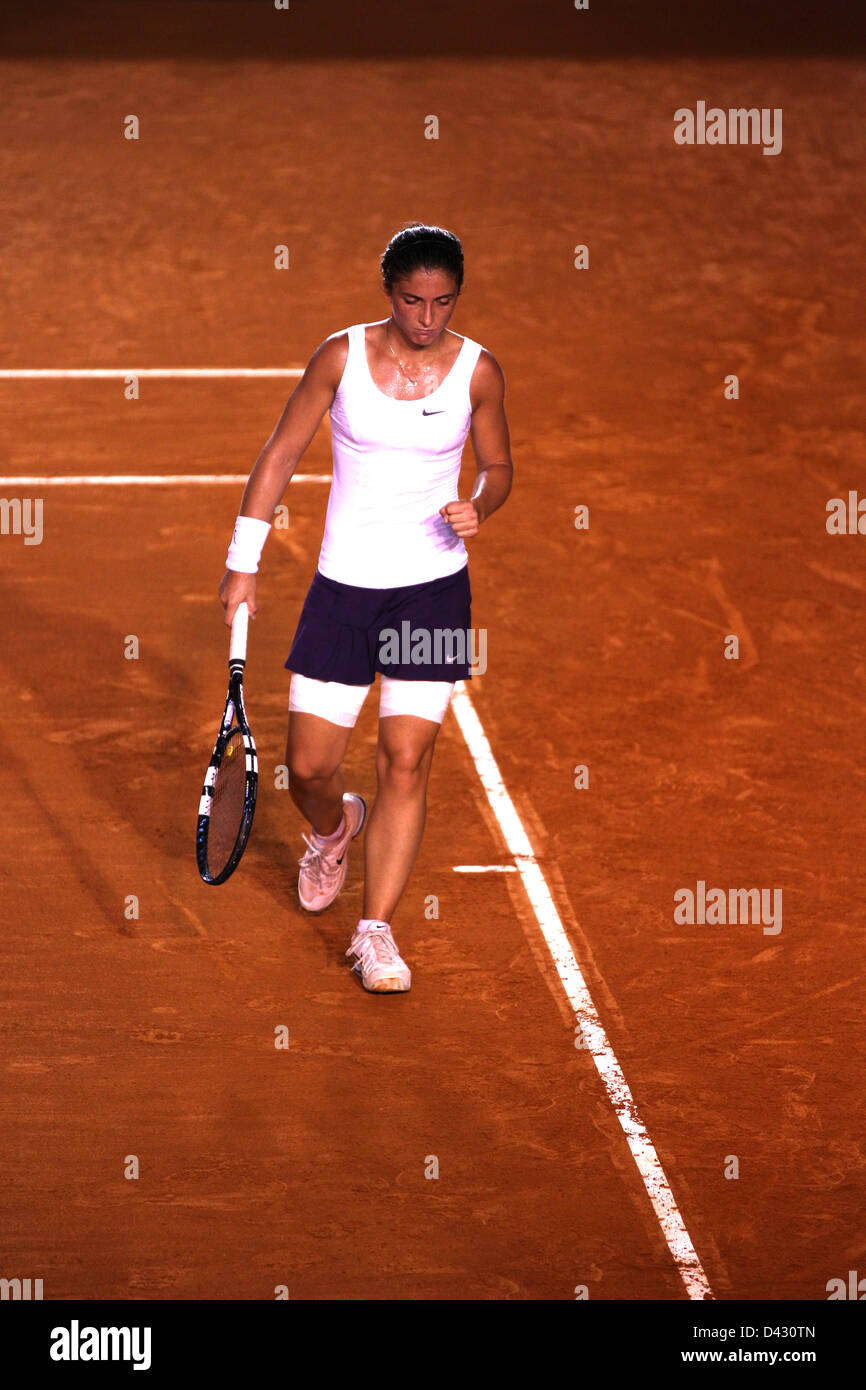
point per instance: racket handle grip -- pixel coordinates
(238, 644)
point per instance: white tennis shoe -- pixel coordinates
(379, 963)
(324, 865)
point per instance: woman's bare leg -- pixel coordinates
(396, 823)
(315, 749)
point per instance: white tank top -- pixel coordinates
(395, 464)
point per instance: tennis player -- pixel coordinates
(402, 394)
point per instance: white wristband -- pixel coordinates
(247, 544)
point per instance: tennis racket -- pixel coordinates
(228, 798)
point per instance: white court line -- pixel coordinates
(643, 1152)
(120, 373)
(485, 869)
(146, 479)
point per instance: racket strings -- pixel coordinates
(227, 810)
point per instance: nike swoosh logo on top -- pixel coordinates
(432, 412)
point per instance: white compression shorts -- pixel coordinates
(341, 704)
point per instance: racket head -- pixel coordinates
(228, 800)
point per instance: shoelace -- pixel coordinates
(379, 943)
(315, 862)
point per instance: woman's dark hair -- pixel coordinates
(419, 247)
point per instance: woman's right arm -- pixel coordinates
(281, 455)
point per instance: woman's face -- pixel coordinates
(422, 303)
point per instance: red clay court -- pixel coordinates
(149, 1030)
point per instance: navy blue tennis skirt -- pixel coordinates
(420, 632)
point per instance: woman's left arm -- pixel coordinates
(492, 448)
